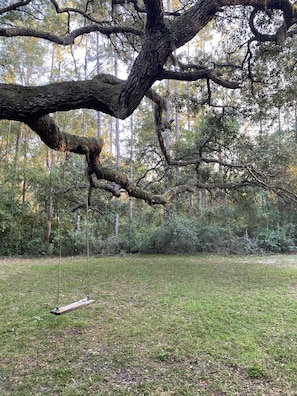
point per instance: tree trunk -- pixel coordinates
(130, 236)
(118, 147)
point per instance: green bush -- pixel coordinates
(111, 246)
(74, 242)
(36, 247)
(176, 235)
(278, 240)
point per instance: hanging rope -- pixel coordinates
(86, 300)
(59, 263)
(88, 242)
(60, 232)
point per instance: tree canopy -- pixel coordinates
(149, 38)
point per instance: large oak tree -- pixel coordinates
(155, 35)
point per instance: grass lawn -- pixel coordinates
(161, 325)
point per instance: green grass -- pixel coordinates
(161, 325)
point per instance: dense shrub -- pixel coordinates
(176, 235)
(204, 235)
(277, 240)
(75, 242)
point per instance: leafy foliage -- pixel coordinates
(225, 147)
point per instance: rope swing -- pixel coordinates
(86, 300)
(73, 306)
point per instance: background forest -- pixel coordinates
(43, 193)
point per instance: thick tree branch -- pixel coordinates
(54, 138)
(154, 15)
(161, 36)
(103, 173)
(21, 103)
(113, 189)
(69, 38)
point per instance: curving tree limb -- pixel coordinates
(161, 35)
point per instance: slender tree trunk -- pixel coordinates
(188, 95)
(98, 71)
(203, 196)
(14, 184)
(176, 111)
(110, 135)
(168, 119)
(131, 179)
(279, 125)
(295, 112)
(117, 141)
(167, 141)
(176, 107)
(51, 160)
(25, 156)
(117, 220)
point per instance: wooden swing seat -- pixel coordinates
(72, 307)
